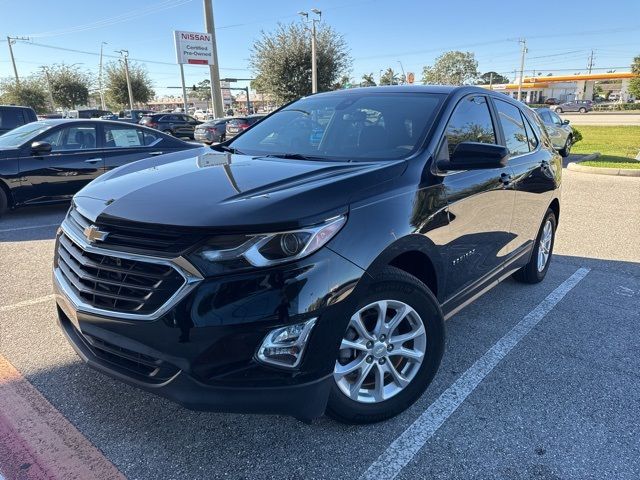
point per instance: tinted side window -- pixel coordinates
(116, 136)
(151, 139)
(80, 137)
(555, 119)
(11, 118)
(531, 136)
(513, 128)
(546, 116)
(470, 122)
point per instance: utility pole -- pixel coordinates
(590, 64)
(522, 42)
(125, 55)
(403, 74)
(10, 42)
(46, 75)
(102, 102)
(214, 70)
(490, 80)
(314, 53)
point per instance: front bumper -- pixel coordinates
(200, 353)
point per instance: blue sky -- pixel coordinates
(560, 34)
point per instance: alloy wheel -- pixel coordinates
(381, 352)
(544, 248)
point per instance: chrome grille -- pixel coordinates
(111, 283)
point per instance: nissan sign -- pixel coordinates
(194, 48)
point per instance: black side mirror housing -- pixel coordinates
(40, 148)
(565, 122)
(476, 156)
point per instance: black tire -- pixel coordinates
(395, 284)
(558, 110)
(4, 203)
(567, 147)
(582, 110)
(530, 272)
(168, 132)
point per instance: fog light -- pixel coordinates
(284, 346)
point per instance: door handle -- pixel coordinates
(505, 178)
(93, 160)
(153, 154)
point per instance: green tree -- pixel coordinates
(344, 82)
(30, 92)
(202, 91)
(389, 77)
(634, 83)
(367, 80)
(69, 86)
(492, 78)
(116, 84)
(281, 60)
(451, 68)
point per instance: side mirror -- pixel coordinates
(40, 148)
(565, 122)
(475, 156)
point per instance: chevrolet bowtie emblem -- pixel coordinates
(94, 234)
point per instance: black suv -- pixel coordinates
(176, 124)
(13, 116)
(308, 265)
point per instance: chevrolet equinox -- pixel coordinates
(308, 264)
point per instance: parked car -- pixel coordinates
(281, 272)
(134, 116)
(240, 124)
(48, 161)
(614, 97)
(551, 101)
(212, 131)
(88, 113)
(582, 106)
(559, 130)
(176, 124)
(12, 116)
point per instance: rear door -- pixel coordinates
(74, 161)
(532, 168)
(480, 203)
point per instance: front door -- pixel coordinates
(73, 162)
(480, 202)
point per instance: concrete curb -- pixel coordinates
(623, 172)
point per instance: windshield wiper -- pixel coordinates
(293, 156)
(224, 148)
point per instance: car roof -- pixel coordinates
(442, 89)
(15, 106)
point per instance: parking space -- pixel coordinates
(560, 402)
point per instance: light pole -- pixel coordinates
(102, 102)
(125, 55)
(46, 75)
(214, 70)
(522, 42)
(314, 58)
(403, 74)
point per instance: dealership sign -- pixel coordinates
(194, 48)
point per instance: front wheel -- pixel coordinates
(567, 147)
(390, 351)
(4, 203)
(536, 269)
(558, 110)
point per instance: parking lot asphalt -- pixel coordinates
(560, 403)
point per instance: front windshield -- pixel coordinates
(345, 127)
(20, 135)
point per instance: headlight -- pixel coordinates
(269, 249)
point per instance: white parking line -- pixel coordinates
(29, 227)
(27, 303)
(406, 446)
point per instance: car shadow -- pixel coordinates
(32, 223)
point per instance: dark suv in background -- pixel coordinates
(176, 124)
(240, 124)
(308, 265)
(13, 116)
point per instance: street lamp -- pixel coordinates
(403, 74)
(102, 102)
(314, 58)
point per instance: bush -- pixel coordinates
(616, 107)
(577, 136)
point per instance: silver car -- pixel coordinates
(559, 130)
(582, 106)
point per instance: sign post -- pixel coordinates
(192, 48)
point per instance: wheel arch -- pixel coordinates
(555, 206)
(7, 192)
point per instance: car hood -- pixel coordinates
(231, 193)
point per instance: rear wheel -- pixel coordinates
(567, 147)
(582, 110)
(536, 269)
(390, 351)
(4, 203)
